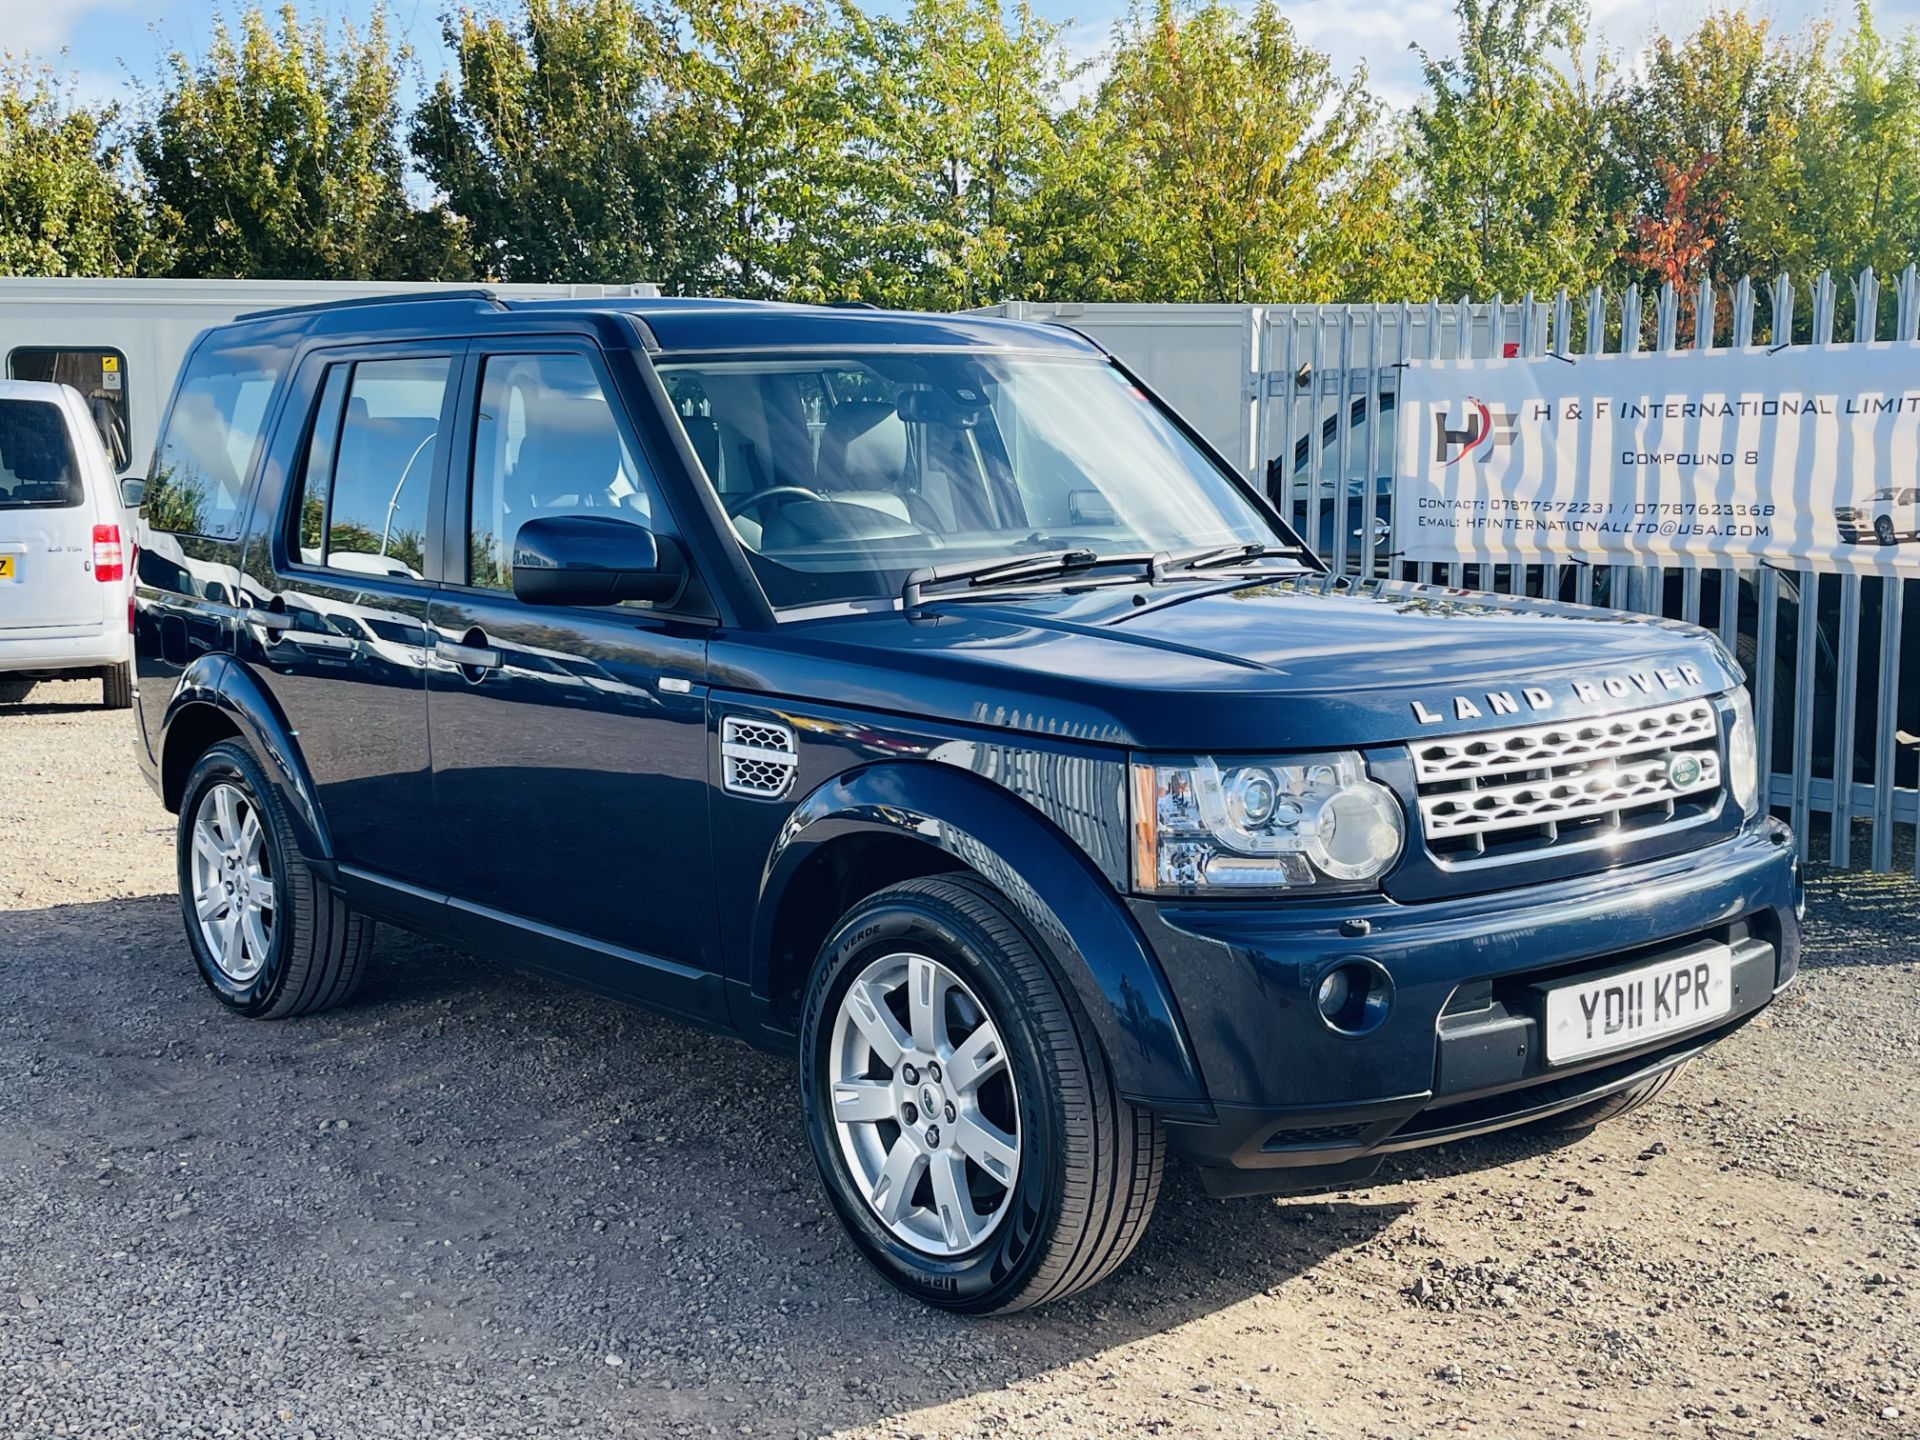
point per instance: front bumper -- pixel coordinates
(1295, 1105)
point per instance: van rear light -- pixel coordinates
(108, 563)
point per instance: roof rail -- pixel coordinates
(398, 297)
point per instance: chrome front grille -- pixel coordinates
(1504, 793)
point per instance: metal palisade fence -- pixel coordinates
(1825, 652)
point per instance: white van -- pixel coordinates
(66, 540)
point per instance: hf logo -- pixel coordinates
(1481, 429)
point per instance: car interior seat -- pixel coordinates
(863, 461)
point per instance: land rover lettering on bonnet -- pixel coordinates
(1674, 679)
(917, 697)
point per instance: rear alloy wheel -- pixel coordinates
(960, 1108)
(233, 892)
(271, 938)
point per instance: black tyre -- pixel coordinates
(1883, 529)
(1612, 1107)
(116, 687)
(12, 692)
(271, 940)
(961, 1109)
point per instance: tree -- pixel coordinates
(63, 208)
(758, 87)
(1722, 110)
(559, 145)
(1859, 157)
(950, 115)
(277, 155)
(1239, 167)
(1514, 141)
(1676, 246)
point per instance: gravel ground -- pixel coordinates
(478, 1204)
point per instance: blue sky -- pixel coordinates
(109, 40)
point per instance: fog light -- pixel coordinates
(1354, 995)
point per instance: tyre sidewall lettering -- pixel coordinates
(1021, 1236)
(220, 766)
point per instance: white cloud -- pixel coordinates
(40, 28)
(1378, 34)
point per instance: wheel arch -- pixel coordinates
(894, 821)
(217, 699)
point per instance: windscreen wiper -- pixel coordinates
(1039, 565)
(1213, 557)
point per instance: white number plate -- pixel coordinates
(1591, 1017)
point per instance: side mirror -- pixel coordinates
(594, 560)
(132, 491)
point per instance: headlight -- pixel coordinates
(1743, 753)
(1304, 822)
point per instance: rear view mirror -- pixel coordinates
(1089, 507)
(132, 491)
(923, 405)
(594, 560)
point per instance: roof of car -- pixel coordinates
(678, 324)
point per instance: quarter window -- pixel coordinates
(213, 436)
(368, 475)
(99, 375)
(546, 443)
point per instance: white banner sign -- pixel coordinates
(1805, 454)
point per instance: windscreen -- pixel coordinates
(37, 465)
(844, 474)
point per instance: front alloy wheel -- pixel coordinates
(924, 1106)
(960, 1106)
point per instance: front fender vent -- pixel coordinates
(758, 757)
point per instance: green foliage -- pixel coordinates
(63, 210)
(1859, 155)
(758, 98)
(1514, 153)
(277, 155)
(950, 122)
(1726, 106)
(556, 144)
(948, 153)
(1231, 163)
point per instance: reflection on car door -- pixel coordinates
(569, 745)
(340, 634)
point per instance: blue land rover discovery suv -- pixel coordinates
(918, 696)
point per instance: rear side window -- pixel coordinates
(37, 467)
(368, 476)
(213, 437)
(100, 375)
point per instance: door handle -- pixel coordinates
(467, 657)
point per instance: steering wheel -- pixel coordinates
(781, 493)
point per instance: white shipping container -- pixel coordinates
(120, 342)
